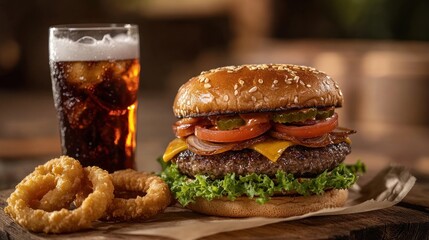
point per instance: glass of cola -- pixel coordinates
(95, 73)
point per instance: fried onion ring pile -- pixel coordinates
(42, 201)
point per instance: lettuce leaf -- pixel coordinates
(257, 186)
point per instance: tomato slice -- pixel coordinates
(240, 134)
(309, 131)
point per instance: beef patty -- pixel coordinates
(299, 160)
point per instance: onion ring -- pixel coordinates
(202, 147)
(64, 220)
(157, 196)
(68, 175)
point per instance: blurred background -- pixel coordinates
(377, 50)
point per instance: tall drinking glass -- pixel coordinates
(95, 73)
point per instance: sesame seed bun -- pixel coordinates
(285, 206)
(256, 88)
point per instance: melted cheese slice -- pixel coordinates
(348, 141)
(272, 149)
(174, 147)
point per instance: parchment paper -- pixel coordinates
(386, 189)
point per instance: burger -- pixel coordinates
(259, 140)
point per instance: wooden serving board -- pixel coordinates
(407, 220)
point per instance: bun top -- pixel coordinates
(256, 88)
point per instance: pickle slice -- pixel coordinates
(295, 116)
(229, 123)
(324, 113)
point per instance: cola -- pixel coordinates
(95, 74)
(97, 103)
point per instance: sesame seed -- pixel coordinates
(196, 108)
(288, 81)
(253, 98)
(225, 98)
(206, 80)
(308, 85)
(302, 83)
(236, 92)
(235, 87)
(341, 94)
(321, 98)
(253, 89)
(295, 99)
(275, 81)
(260, 81)
(296, 78)
(207, 85)
(241, 82)
(289, 71)
(266, 99)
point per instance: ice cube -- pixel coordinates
(86, 74)
(120, 68)
(114, 94)
(113, 129)
(80, 114)
(127, 71)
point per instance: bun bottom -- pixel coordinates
(285, 206)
